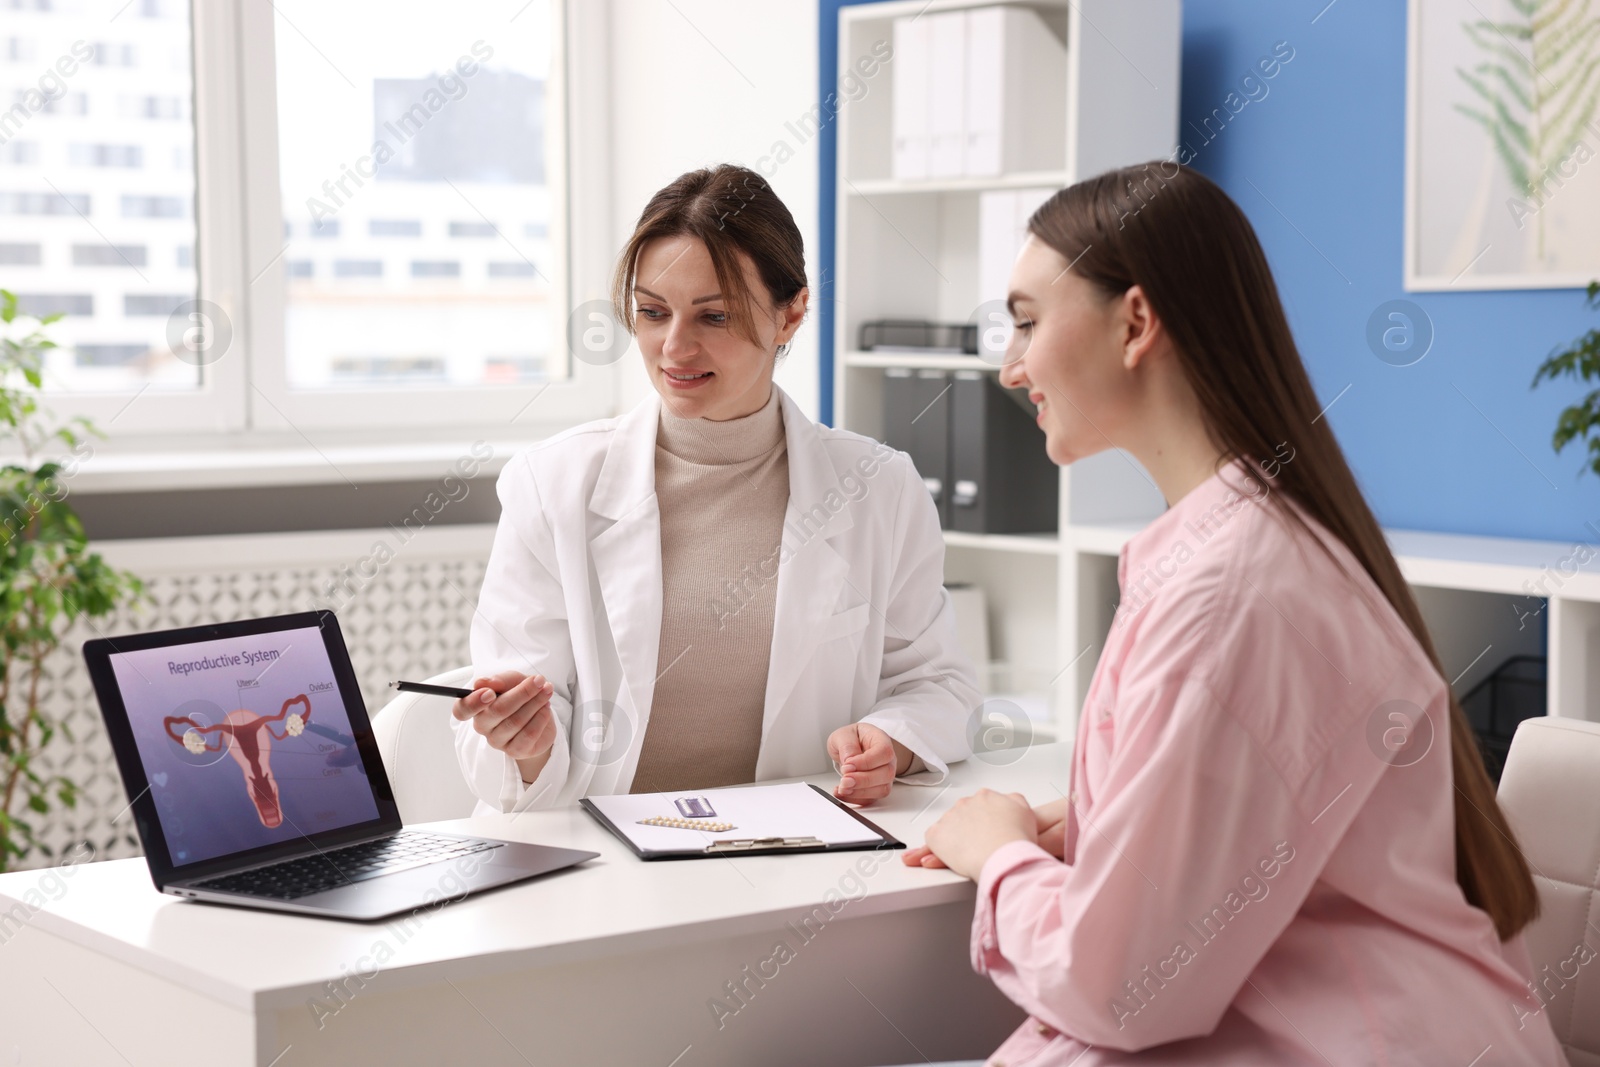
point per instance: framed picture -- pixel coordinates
(1502, 144)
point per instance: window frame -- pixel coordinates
(217, 404)
(243, 399)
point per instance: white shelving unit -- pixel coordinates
(908, 249)
(1481, 597)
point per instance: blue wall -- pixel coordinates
(1456, 442)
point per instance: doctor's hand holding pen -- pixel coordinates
(512, 712)
(967, 834)
(868, 760)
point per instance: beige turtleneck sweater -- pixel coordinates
(722, 488)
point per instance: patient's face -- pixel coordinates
(683, 326)
(1067, 352)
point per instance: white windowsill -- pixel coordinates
(224, 467)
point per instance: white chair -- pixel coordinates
(1550, 792)
(419, 752)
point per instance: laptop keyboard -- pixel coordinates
(344, 866)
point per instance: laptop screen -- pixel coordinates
(245, 742)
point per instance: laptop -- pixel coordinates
(255, 780)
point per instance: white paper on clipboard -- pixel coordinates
(757, 811)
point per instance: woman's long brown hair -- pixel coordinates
(1175, 234)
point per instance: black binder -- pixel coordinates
(1001, 480)
(916, 418)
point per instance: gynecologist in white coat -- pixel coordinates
(842, 565)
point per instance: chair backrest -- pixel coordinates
(419, 752)
(1550, 792)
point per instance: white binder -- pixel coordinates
(1002, 227)
(947, 90)
(985, 73)
(910, 104)
(1015, 107)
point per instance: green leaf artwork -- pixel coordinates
(1535, 90)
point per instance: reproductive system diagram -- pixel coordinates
(248, 738)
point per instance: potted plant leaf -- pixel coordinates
(1581, 360)
(48, 576)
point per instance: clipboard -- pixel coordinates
(765, 820)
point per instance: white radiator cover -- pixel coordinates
(404, 599)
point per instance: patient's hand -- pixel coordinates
(968, 834)
(868, 760)
(1051, 820)
(512, 712)
(965, 831)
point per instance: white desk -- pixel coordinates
(614, 962)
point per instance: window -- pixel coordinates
(400, 255)
(114, 54)
(99, 355)
(358, 268)
(42, 304)
(19, 153)
(394, 228)
(79, 209)
(108, 255)
(427, 131)
(154, 207)
(47, 100)
(163, 304)
(44, 203)
(171, 108)
(105, 155)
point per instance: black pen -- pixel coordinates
(432, 690)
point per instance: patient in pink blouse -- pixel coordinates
(1279, 845)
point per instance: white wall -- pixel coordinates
(697, 82)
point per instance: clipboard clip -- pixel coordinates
(748, 843)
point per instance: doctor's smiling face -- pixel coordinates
(698, 358)
(713, 284)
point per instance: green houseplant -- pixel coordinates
(1581, 360)
(48, 576)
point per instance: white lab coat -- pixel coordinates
(863, 628)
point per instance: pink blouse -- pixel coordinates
(1260, 853)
